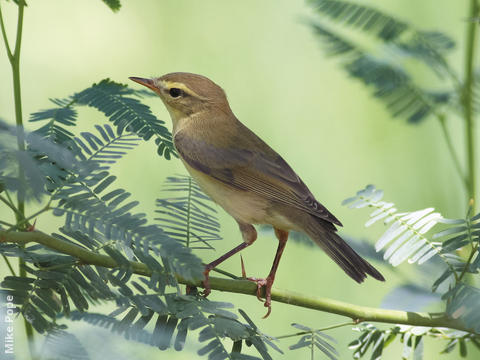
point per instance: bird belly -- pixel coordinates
(241, 205)
(244, 206)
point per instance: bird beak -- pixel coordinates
(145, 82)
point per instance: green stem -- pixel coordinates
(356, 312)
(25, 221)
(467, 97)
(9, 198)
(473, 246)
(5, 38)
(10, 205)
(7, 224)
(453, 154)
(237, 346)
(17, 95)
(9, 265)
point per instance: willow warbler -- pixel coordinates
(246, 177)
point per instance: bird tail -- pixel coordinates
(324, 234)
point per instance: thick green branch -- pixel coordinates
(355, 312)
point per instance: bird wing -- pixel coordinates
(258, 169)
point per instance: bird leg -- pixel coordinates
(249, 235)
(282, 237)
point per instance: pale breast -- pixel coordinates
(243, 206)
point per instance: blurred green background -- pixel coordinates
(281, 85)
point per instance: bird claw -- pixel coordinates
(267, 282)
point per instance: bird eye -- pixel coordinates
(175, 92)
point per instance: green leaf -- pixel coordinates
(126, 113)
(387, 75)
(463, 302)
(426, 46)
(405, 237)
(114, 5)
(188, 216)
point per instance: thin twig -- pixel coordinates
(453, 154)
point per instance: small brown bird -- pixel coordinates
(246, 177)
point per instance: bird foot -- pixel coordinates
(268, 283)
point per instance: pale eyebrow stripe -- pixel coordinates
(171, 84)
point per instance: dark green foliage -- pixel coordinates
(461, 232)
(387, 76)
(173, 319)
(118, 103)
(428, 46)
(57, 119)
(113, 4)
(127, 113)
(315, 339)
(407, 235)
(107, 147)
(187, 216)
(462, 299)
(461, 339)
(35, 163)
(92, 209)
(463, 302)
(18, 1)
(376, 340)
(52, 292)
(361, 17)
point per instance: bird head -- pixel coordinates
(186, 94)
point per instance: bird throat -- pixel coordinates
(178, 118)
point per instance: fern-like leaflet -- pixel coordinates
(89, 206)
(118, 103)
(106, 148)
(315, 339)
(174, 318)
(126, 112)
(406, 233)
(377, 340)
(389, 78)
(57, 119)
(462, 298)
(188, 217)
(427, 46)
